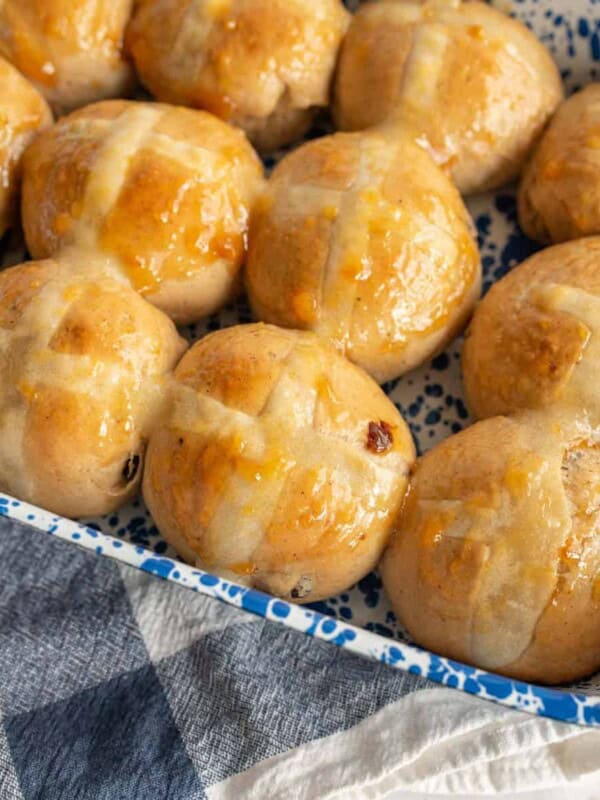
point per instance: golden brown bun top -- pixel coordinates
(240, 367)
(476, 85)
(164, 190)
(82, 366)
(279, 462)
(23, 112)
(534, 339)
(559, 197)
(70, 49)
(361, 238)
(67, 304)
(238, 58)
(495, 560)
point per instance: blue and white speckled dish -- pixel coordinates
(431, 400)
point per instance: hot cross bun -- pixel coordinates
(495, 559)
(83, 362)
(362, 239)
(71, 50)
(277, 463)
(23, 112)
(265, 65)
(559, 196)
(166, 192)
(475, 86)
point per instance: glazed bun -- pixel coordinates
(278, 463)
(23, 112)
(532, 343)
(559, 197)
(362, 239)
(265, 65)
(495, 559)
(71, 50)
(165, 192)
(82, 366)
(476, 86)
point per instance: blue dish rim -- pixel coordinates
(559, 704)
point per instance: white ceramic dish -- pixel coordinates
(431, 401)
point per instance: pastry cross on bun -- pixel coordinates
(475, 86)
(496, 556)
(277, 463)
(533, 342)
(362, 239)
(495, 559)
(265, 65)
(83, 360)
(166, 192)
(71, 50)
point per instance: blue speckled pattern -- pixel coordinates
(430, 398)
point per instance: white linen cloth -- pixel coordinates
(433, 743)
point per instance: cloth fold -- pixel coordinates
(115, 684)
(431, 741)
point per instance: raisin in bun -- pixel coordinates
(166, 192)
(475, 86)
(83, 363)
(265, 65)
(277, 463)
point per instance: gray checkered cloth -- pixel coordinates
(116, 685)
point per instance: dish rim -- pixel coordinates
(564, 705)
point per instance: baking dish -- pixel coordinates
(431, 400)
